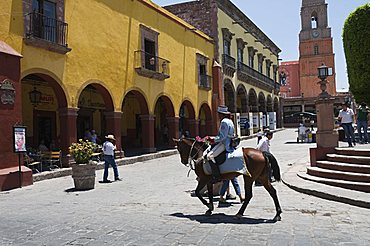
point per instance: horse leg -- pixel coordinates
(210, 197)
(271, 190)
(248, 195)
(201, 183)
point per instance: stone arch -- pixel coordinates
(100, 87)
(187, 122)
(95, 104)
(163, 112)
(241, 99)
(253, 105)
(270, 107)
(229, 94)
(205, 120)
(261, 102)
(134, 106)
(43, 118)
(314, 20)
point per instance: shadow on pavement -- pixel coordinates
(223, 218)
(295, 142)
(74, 190)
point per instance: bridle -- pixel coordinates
(191, 158)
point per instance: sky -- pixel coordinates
(281, 23)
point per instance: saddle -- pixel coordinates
(229, 162)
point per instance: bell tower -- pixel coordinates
(315, 47)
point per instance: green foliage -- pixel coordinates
(82, 151)
(356, 41)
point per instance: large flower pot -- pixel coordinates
(84, 175)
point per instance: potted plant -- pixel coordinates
(83, 171)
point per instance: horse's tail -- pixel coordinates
(274, 165)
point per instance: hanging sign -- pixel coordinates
(7, 92)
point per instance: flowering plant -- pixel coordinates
(82, 151)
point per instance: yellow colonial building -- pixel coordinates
(248, 57)
(128, 68)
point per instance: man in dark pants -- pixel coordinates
(108, 149)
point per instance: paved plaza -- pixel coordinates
(153, 206)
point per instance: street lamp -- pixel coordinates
(323, 73)
(35, 96)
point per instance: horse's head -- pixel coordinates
(184, 147)
(190, 148)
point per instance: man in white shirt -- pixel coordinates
(264, 147)
(108, 149)
(302, 132)
(346, 118)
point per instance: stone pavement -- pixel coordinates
(153, 206)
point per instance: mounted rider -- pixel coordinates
(223, 141)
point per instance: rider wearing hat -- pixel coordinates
(222, 140)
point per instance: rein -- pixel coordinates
(191, 159)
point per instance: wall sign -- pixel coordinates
(7, 92)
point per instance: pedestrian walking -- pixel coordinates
(346, 118)
(363, 115)
(108, 149)
(225, 187)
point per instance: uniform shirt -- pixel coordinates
(108, 148)
(264, 145)
(362, 113)
(225, 133)
(346, 115)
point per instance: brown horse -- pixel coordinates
(257, 164)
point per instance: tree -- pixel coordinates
(356, 42)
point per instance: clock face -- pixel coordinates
(315, 33)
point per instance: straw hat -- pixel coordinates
(110, 136)
(222, 109)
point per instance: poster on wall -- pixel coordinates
(19, 139)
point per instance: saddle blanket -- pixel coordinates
(234, 163)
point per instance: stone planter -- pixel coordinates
(84, 175)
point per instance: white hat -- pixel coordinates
(222, 109)
(110, 136)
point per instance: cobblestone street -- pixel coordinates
(153, 206)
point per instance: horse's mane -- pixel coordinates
(203, 145)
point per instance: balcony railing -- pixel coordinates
(46, 28)
(205, 81)
(151, 66)
(228, 64)
(249, 75)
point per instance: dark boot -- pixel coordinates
(216, 175)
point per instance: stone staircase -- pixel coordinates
(347, 168)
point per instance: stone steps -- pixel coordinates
(352, 152)
(349, 159)
(346, 167)
(359, 186)
(338, 175)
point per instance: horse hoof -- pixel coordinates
(277, 218)
(238, 216)
(208, 213)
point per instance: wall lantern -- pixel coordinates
(35, 96)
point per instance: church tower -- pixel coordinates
(315, 47)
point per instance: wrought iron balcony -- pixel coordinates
(251, 76)
(47, 29)
(205, 81)
(228, 65)
(151, 66)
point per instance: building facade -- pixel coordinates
(249, 60)
(299, 79)
(128, 68)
